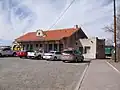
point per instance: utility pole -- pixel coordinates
(115, 43)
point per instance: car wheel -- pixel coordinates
(0, 55)
(20, 57)
(82, 59)
(55, 58)
(64, 61)
(39, 57)
(14, 54)
(76, 59)
(25, 57)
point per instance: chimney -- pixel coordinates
(76, 26)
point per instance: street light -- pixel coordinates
(115, 43)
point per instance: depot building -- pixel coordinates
(60, 39)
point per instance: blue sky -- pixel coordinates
(21, 16)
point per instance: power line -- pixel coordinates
(61, 15)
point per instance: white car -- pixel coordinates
(30, 54)
(52, 55)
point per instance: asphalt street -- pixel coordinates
(26, 74)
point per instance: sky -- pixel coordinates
(18, 17)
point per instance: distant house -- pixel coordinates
(52, 39)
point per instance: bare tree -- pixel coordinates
(109, 42)
(110, 28)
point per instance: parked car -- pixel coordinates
(30, 54)
(52, 55)
(72, 55)
(7, 52)
(22, 54)
(39, 54)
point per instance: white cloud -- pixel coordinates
(19, 16)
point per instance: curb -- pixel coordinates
(113, 67)
(81, 78)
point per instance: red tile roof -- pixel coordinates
(50, 35)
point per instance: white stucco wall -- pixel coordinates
(91, 42)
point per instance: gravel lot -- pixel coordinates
(25, 74)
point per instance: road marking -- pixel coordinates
(113, 67)
(81, 78)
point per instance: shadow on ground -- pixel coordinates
(86, 61)
(79, 62)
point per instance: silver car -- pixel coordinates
(72, 55)
(6, 51)
(52, 55)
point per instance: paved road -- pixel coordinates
(25, 74)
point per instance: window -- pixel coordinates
(61, 47)
(87, 49)
(58, 52)
(6, 49)
(77, 52)
(76, 43)
(38, 33)
(40, 45)
(81, 49)
(27, 47)
(55, 47)
(50, 47)
(36, 45)
(23, 47)
(41, 51)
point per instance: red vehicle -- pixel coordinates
(22, 54)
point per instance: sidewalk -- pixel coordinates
(100, 76)
(116, 65)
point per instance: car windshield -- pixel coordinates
(68, 52)
(41, 51)
(52, 52)
(77, 52)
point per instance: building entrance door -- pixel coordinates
(31, 47)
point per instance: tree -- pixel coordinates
(110, 28)
(108, 42)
